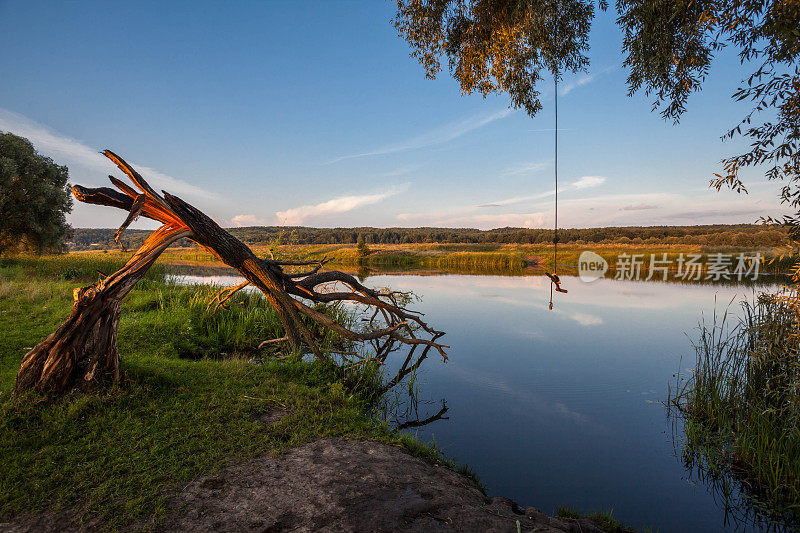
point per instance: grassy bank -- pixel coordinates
(195, 392)
(740, 408)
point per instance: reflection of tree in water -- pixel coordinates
(765, 279)
(363, 273)
(399, 394)
(729, 487)
(416, 421)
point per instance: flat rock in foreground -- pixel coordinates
(333, 485)
(348, 486)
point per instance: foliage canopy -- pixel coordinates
(668, 47)
(497, 46)
(34, 198)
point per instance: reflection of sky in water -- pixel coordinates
(561, 408)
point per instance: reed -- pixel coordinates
(485, 261)
(740, 406)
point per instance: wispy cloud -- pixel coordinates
(545, 130)
(341, 204)
(638, 207)
(702, 207)
(398, 172)
(658, 208)
(535, 406)
(583, 79)
(518, 199)
(483, 221)
(705, 213)
(586, 182)
(73, 153)
(573, 84)
(526, 168)
(439, 135)
(584, 319)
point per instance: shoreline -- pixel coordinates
(120, 456)
(332, 484)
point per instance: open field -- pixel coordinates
(465, 257)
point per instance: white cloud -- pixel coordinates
(341, 204)
(647, 209)
(439, 135)
(526, 168)
(483, 221)
(583, 79)
(586, 182)
(638, 207)
(73, 153)
(583, 319)
(573, 84)
(240, 221)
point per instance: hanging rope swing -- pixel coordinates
(555, 281)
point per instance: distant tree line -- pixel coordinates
(740, 235)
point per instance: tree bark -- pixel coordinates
(84, 348)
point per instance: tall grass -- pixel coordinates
(476, 261)
(170, 319)
(70, 267)
(741, 406)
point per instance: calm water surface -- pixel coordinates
(563, 407)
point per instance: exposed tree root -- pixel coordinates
(85, 345)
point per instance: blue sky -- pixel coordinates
(314, 114)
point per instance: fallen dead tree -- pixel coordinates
(83, 349)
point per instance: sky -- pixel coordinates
(314, 114)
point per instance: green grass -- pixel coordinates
(603, 519)
(83, 267)
(740, 408)
(194, 386)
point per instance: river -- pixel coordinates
(565, 407)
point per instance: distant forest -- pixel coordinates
(741, 235)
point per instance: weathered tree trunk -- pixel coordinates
(84, 348)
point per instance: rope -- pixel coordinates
(555, 164)
(555, 206)
(554, 280)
